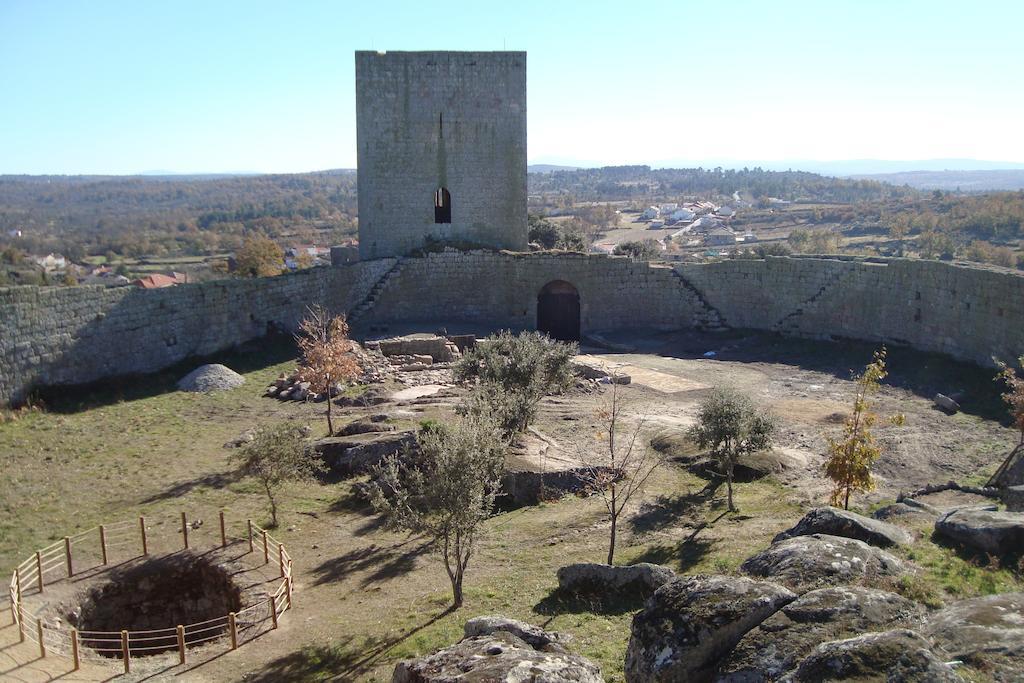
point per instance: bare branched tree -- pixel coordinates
(326, 353)
(623, 465)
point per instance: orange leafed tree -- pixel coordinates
(326, 353)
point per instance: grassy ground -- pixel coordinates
(367, 597)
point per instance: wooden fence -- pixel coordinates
(130, 539)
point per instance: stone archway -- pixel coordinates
(558, 311)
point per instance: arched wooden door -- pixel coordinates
(558, 311)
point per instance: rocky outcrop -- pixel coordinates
(991, 626)
(836, 522)
(990, 531)
(899, 655)
(590, 577)
(819, 559)
(367, 425)
(497, 656)
(688, 624)
(903, 511)
(782, 640)
(534, 636)
(354, 454)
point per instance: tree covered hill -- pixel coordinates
(153, 215)
(635, 182)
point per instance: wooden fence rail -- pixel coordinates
(64, 559)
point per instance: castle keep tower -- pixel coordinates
(441, 140)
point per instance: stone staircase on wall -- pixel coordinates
(706, 317)
(367, 304)
(789, 324)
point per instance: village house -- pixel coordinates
(159, 280)
(720, 237)
(52, 262)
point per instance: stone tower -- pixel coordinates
(441, 140)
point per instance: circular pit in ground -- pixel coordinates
(159, 593)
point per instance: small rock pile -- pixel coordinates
(207, 378)
(373, 369)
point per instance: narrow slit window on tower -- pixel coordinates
(442, 206)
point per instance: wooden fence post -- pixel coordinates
(273, 610)
(184, 530)
(288, 589)
(280, 557)
(233, 629)
(266, 548)
(67, 555)
(103, 543)
(142, 530)
(181, 644)
(39, 570)
(249, 523)
(39, 634)
(223, 532)
(125, 653)
(74, 649)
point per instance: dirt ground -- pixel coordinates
(366, 597)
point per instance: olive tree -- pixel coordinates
(445, 491)
(278, 454)
(729, 426)
(513, 373)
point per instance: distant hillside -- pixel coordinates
(962, 181)
(548, 168)
(637, 182)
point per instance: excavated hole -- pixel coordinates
(158, 594)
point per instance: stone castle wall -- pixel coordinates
(76, 335)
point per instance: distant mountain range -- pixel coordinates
(962, 181)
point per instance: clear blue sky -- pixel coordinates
(123, 87)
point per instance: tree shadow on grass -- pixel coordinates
(1012, 558)
(217, 480)
(383, 562)
(666, 510)
(561, 601)
(343, 662)
(685, 555)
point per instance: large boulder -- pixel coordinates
(213, 377)
(990, 531)
(690, 623)
(836, 522)
(988, 631)
(534, 636)
(783, 639)
(590, 577)
(899, 655)
(821, 559)
(498, 656)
